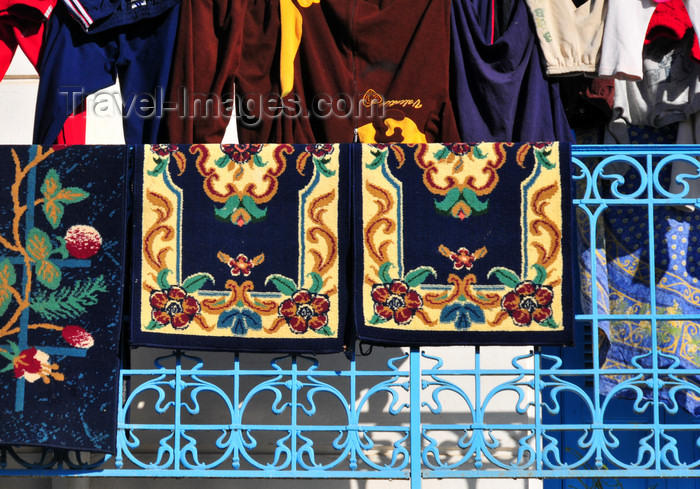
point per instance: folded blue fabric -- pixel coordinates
(62, 249)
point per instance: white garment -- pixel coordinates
(669, 91)
(626, 26)
(570, 36)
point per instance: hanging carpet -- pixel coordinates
(463, 244)
(62, 250)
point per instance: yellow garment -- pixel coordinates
(409, 131)
(291, 23)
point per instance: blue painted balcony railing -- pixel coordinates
(410, 414)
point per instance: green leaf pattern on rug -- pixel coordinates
(55, 197)
(68, 302)
(37, 264)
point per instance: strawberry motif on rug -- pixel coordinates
(62, 255)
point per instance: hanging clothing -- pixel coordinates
(669, 92)
(397, 89)
(625, 30)
(570, 36)
(333, 71)
(587, 101)
(207, 58)
(671, 21)
(499, 91)
(98, 15)
(74, 130)
(22, 25)
(75, 64)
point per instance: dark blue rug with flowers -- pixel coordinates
(62, 250)
(463, 244)
(241, 247)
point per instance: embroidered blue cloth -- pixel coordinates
(463, 244)
(623, 285)
(241, 247)
(677, 291)
(62, 240)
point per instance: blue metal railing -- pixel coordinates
(421, 414)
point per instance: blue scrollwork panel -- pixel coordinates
(292, 416)
(480, 418)
(624, 401)
(635, 218)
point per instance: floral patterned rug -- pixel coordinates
(463, 244)
(62, 249)
(241, 247)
